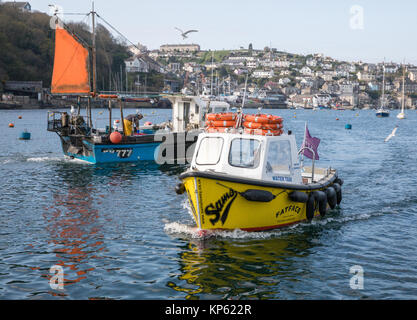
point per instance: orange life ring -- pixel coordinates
(264, 118)
(264, 132)
(216, 129)
(263, 126)
(222, 116)
(223, 123)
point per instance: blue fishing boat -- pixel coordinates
(166, 143)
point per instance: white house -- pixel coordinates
(281, 64)
(136, 64)
(364, 76)
(263, 74)
(321, 99)
(311, 63)
(284, 81)
(391, 68)
(412, 74)
(306, 71)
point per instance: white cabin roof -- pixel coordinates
(267, 158)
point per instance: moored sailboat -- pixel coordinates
(382, 112)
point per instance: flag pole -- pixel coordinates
(303, 145)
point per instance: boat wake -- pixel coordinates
(55, 159)
(44, 159)
(178, 229)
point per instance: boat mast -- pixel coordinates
(403, 99)
(93, 17)
(383, 85)
(211, 85)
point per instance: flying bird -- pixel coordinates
(392, 134)
(184, 34)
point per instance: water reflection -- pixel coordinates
(84, 213)
(73, 222)
(241, 269)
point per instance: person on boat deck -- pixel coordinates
(130, 120)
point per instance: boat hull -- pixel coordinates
(218, 204)
(146, 149)
(382, 114)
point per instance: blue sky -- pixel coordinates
(299, 26)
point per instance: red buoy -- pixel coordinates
(11, 125)
(116, 137)
(19, 117)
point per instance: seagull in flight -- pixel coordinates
(392, 134)
(184, 34)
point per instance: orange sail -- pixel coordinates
(70, 74)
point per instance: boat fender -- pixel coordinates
(310, 207)
(339, 181)
(180, 188)
(321, 198)
(331, 197)
(338, 190)
(258, 195)
(298, 196)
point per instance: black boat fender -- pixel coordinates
(321, 199)
(338, 190)
(298, 196)
(180, 188)
(257, 195)
(331, 197)
(310, 207)
(339, 181)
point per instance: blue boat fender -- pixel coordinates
(331, 197)
(321, 199)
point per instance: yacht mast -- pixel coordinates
(93, 17)
(403, 98)
(383, 85)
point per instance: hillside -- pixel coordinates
(27, 48)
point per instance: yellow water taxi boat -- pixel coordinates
(242, 180)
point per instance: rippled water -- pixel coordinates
(121, 232)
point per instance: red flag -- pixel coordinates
(312, 143)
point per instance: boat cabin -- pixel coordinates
(188, 112)
(266, 158)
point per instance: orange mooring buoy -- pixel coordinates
(116, 137)
(19, 117)
(11, 125)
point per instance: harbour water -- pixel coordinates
(121, 232)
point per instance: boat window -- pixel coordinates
(279, 158)
(209, 151)
(245, 153)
